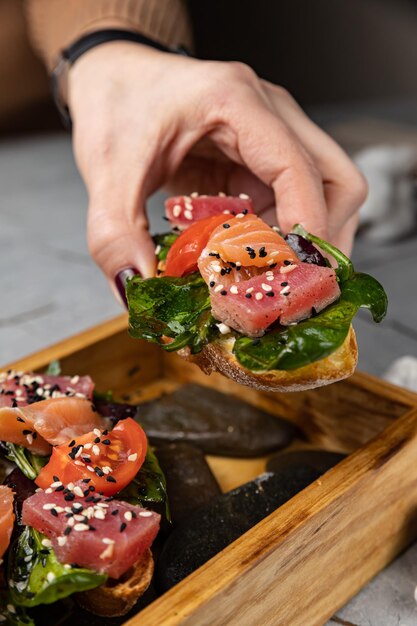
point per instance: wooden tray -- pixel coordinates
(304, 561)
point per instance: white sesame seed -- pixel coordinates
(75, 380)
(269, 278)
(78, 517)
(243, 196)
(259, 295)
(269, 273)
(48, 506)
(18, 392)
(81, 527)
(132, 457)
(99, 514)
(90, 469)
(107, 541)
(234, 289)
(46, 543)
(189, 206)
(270, 262)
(87, 446)
(78, 491)
(78, 453)
(29, 439)
(188, 215)
(145, 513)
(211, 277)
(77, 462)
(238, 264)
(218, 288)
(57, 483)
(285, 290)
(103, 505)
(224, 329)
(216, 268)
(157, 249)
(226, 212)
(194, 194)
(77, 505)
(62, 541)
(48, 490)
(59, 509)
(274, 253)
(67, 566)
(176, 211)
(128, 516)
(266, 287)
(70, 521)
(70, 486)
(287, 268)
(107, 552)
(249, 290)
(50, 577)
(95, 450)
(97, 432)
(39, 391)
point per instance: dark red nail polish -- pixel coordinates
(121, 279)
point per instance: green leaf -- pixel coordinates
(148, 489)
(13, 615)
(39, 578)
(164, 241)
(178, 308)
(345, 269)
(28, 463)
(54, 368)
(317, 337)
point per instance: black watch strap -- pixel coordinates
(73, 52)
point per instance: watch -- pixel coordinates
(68, 56)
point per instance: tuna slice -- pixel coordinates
(53, 421)
(182, 211)
(23, 388)
(102, 534)
(6, 517)
(250, 307)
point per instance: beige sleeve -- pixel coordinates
(54, 24)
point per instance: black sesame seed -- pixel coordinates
(248, 295)
(111, 479)
(54, 512)
(287, 262)
(115, 512)
(313, 312)
(97, 440)
(71, 443)
(70, 496)
(270, 294)
(286, 294)
(86, 480)
(222, 272)
(14, 403)
(89, 499)
(106, 442)
(26, 432)
(122, 526)
(106, 432)
(245, 211)
(284, 284)
(134, 515)
(262, 252)
(226, 225)
(67, 531)
(19, 419)
(56, 479)
(35, 434)
(60, 488)
(91, 527)
(273, 265)
(212, 283)
(223, 292)
(249, 249)
(99, 472)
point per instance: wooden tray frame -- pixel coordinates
(307, 559)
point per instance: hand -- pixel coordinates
(145, 119)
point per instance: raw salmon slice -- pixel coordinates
(21, 388)
(182, 211)
(53, 421)
(6, 517)
(250, 307)
(102, 534)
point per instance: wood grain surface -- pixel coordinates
(303, 562)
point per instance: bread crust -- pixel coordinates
(117, 597)
(218, 357)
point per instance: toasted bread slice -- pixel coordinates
(117, 597)
(218, 357)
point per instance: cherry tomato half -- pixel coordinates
(184, 253)
(110, 459)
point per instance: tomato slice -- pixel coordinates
(184, 253)
(110, 459)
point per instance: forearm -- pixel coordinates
(53, 24)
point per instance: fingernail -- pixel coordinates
(121, 279)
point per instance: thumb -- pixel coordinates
(119, 240)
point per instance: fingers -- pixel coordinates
(118, 236)
(344, 186)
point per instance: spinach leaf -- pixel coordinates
(317, 337)
(28, 463)
(164, 241)
(178, 308)
(345, 269)
(148, 489)
(39, 578)
(54, 368)
(13, 615)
